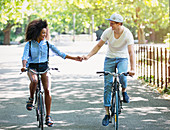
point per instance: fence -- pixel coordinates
(153, 64)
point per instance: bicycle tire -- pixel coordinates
(41, 111)
(112, 108)
(36, 105)
(120, 103)
(116, 116)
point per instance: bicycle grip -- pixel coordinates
(100, 72)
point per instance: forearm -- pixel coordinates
(24, 62)
(132, 61)
(132, 57)
(70, 57)
(96, 49)
(93, 51)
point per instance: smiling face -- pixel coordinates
(114, 25)
(42, 35)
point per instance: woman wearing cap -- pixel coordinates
(120, 47)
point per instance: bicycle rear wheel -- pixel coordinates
(116, 115)
(41, 111)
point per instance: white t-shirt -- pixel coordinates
(117, 48)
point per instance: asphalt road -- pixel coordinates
(77, 95)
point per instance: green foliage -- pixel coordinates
(167, 39)
(59, 14)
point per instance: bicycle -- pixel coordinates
(116, 102)
(38, 103)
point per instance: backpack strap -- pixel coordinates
(48, 51)
(29, 48)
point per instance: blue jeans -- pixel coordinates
(111, 64)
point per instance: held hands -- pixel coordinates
(85, 57)
(78, 58)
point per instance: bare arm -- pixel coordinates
(94, 50)
(132, 59)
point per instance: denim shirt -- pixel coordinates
(39, 52)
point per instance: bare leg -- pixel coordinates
(47, 85)
(33, 83)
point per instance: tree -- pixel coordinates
(140, 14)
(144, 14)
(12, 13)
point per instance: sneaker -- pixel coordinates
(125, 97)
(105, 121)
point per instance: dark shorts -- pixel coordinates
(39, 67)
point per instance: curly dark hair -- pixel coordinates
(34, 28)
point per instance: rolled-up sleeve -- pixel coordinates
(26, 52)
(57, 52)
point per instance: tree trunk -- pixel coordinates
(7, 32)
(7, 37)
(141, 36)
(152, 35)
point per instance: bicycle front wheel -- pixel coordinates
(41, 111)
(116, 115)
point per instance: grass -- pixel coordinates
(165, 92)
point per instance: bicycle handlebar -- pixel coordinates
(112, 73)
(33, 71)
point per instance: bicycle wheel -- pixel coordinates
(112, 108)
(41, 111)
(119, 103)
(36, 105)
(116, 115)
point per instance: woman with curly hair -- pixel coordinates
(35, 57)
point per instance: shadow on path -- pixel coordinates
(78, 102)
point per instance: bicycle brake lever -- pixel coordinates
(101, 75)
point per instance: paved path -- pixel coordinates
(77, 94)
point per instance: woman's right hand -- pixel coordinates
(23, 69)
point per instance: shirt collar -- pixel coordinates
(41, 42)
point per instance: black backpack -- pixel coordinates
(47, 50)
